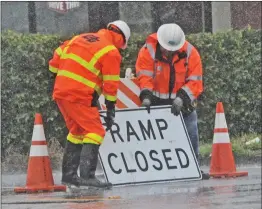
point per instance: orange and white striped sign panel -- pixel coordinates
(127, 95)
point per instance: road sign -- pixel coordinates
(146, 148)
(63, 6)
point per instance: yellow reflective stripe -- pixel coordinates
(69, 43)
(65, 49)
(88, 65)
(110, 98)
(59, 51)
(111, 78)
(53, 69)
(90, 141)
(93, 138)
(80, 79)
(81, 61)
(100, 53)
(75, 139)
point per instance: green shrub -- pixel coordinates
(232, 74)
(27, 89)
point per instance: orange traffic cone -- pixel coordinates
(222, 159)
(39, 171)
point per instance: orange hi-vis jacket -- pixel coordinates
(165, 79)
(86, 66)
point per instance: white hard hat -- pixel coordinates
(121, 25)
(171, 37)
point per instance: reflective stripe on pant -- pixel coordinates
(83, 122)
(192, 129)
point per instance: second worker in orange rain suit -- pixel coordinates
(169, 71)
(86, 66)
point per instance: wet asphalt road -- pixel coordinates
(241, 192)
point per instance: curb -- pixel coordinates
(239, 160)
(204, 161)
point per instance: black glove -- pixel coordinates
(188, 105)
(146, 98)
(110, 114)
(177, 106)
(146, 103)
(109, 119)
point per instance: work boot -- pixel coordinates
(205, 176)
(71, 160)
(88, 163)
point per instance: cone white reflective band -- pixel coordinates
(132, 86)
(38, 133)
(125, 100)
(220, 121)
(38, 151)
(221, 138)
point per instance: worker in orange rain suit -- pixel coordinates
(85, 67)
(169, 71)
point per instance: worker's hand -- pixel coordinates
(146, 103)
(177, 106)
(109, 119)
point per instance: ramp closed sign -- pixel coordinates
(147, 148)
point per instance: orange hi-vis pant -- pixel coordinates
(83, 122)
